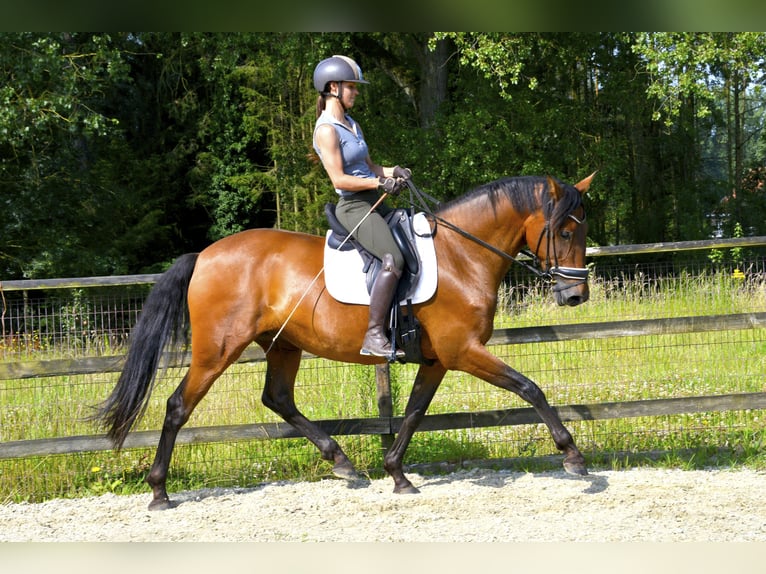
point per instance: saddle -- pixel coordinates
(404, 326)
(400, 223)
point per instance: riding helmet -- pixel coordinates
(337, 69)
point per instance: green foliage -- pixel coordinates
(52, 118)
(498, 57)
(691, 64)
(120, 151)
(735, 255)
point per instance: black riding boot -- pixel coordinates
(381, 295)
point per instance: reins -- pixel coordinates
(580, 274)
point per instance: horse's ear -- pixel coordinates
(583, 185)
(554, 189)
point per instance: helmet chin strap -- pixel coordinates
(339, 96)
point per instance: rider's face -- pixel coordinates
(349, 93)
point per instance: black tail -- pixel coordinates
(163, 320)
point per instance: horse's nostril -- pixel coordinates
(575, 300)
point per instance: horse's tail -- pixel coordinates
(163, 320)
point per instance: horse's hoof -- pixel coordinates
(345, 470)
(576, 468)
(160, 504)
(409, 489)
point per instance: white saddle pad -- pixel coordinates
(346, 281)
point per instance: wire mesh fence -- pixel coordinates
(71, 323)
(68, 322)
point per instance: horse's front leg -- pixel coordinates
(279, 396)
(481, 363)
(423, 391)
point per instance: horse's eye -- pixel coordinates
(566, 235)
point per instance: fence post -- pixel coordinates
(385, 404)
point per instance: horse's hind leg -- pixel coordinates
(180, 405)
(279, 396)
(175, 418)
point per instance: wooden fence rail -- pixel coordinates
(386, 425)
(510, 336)
(609, 250)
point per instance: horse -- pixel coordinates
(243, 288)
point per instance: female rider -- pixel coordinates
(340, 144)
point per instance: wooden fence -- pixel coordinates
(385, 424)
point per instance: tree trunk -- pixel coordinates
(433, 75)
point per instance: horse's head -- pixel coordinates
(556, 233)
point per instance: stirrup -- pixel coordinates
(391, 357)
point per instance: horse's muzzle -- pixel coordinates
(571, 285)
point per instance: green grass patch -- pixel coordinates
(571, 372)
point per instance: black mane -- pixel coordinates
(526, 194)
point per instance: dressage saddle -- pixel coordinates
(399, 223)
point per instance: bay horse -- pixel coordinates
(243, 288)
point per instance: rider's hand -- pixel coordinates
(402, 172)
(390, 185)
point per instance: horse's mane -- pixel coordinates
(526, 195)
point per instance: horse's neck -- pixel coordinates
(502, 229)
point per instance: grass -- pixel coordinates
(573, 372)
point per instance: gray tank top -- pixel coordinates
(353, 148)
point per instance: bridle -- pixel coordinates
(552, 268)
(577, 274)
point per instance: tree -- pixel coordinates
(51, 126)
(120, 151)
(715, 75)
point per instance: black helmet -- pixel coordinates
(337, 69)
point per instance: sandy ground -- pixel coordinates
(478, 505)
